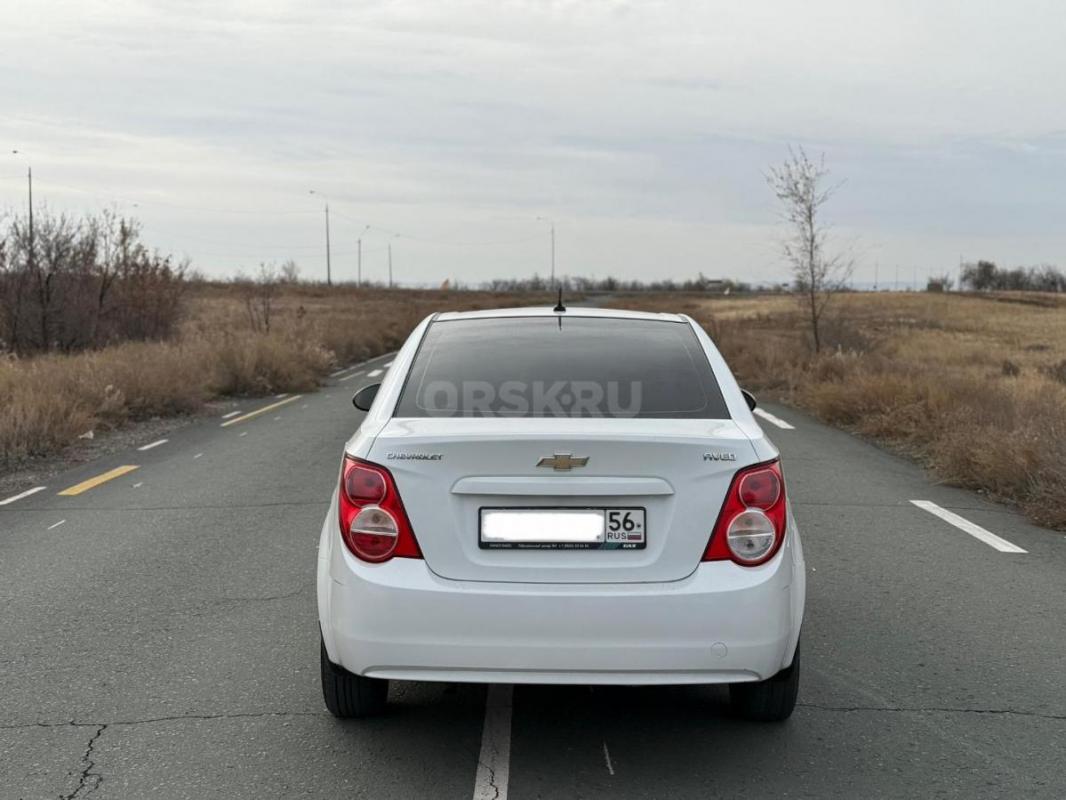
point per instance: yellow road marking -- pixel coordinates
(262, 410)
(92, 483)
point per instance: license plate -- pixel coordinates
(610, 528)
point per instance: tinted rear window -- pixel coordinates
(561, 367)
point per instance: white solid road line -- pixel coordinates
(231, 414)
(153, 444)
(494, 763)
(374, 373)
(26, 493)
(963, 524)
(53, 527)
(766, 415)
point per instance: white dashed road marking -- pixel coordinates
(494, 763)
(766, 415)
(198, 455)
(231, 414)
(153, 445)
(963, 524)
(53, 527)
(263, 410)
(607, 758)
(388, 365)
(374, 373)
(26, 493)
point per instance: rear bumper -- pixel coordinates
(721, 624)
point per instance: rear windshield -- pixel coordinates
(561, 367)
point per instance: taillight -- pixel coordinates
(751, 525)
(374, 524)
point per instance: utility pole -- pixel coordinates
(329, 266)
(359, 256)
(877, 267)
(390, 265)
(553, 254)
(29, 183)
(552, 223)
(29, 188)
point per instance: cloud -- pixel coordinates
(643, 128)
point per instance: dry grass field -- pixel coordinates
(972, 386)
(46, 402)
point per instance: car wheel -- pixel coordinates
(771, 700)
(349, 695)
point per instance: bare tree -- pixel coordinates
(800, 186)
(259, 295)
(82, 283)
(289, 272)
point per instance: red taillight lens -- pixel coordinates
(760, 489)
(373, 522)
(364, 485)
(751, 525)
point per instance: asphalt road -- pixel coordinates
(158, 639)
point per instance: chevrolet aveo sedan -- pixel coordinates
(560, 497)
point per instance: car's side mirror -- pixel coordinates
(364, 398)
(749, 398)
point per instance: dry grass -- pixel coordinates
(47, 402)
(974, 387)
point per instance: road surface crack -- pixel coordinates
(491, 782)
(88, 781)
(157, 720)
(934, 710)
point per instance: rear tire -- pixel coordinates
(771, 700)
(348, 696)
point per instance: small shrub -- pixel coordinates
(1056, 372)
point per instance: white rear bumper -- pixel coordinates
(722, 624)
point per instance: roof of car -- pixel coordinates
(546, 311)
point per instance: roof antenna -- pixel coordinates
(559, 306)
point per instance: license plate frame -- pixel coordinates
(613, 533)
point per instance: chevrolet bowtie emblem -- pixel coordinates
(563, 462)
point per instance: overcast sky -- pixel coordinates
(642, 128)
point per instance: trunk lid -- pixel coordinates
(448, 469)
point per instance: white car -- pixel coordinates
(560, 496)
